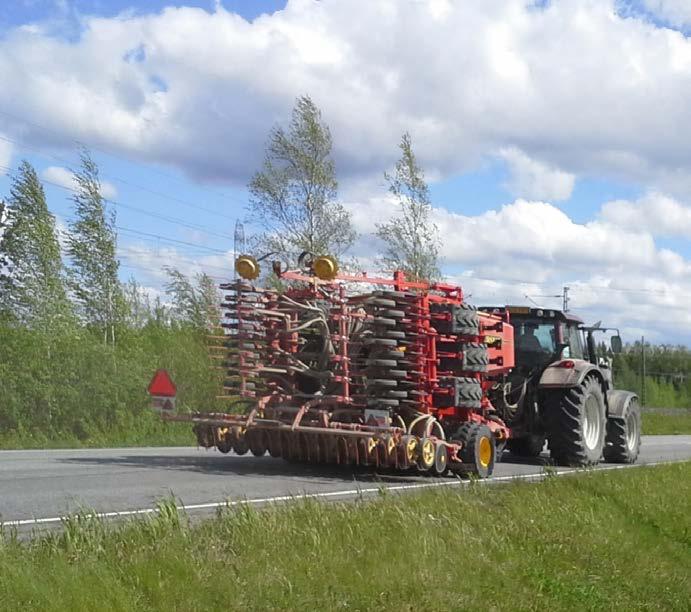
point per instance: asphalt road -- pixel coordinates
(37, 487)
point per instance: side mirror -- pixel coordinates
(616, 344)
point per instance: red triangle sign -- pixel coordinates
(161, 384)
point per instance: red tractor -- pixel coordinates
(353, 369)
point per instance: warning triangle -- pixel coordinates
(161, 384)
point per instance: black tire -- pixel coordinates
(469, 393)
(623, 440)
(500, 447)
(467, 322)
(575, 419)
(474, 450)
(475, 357)
(527, 446)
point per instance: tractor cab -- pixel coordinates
(542, 336)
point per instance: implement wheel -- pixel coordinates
(426, 455)
(623, 440)
(441, 460)
(576, 424)
(478, 451)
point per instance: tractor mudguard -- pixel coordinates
(567, 373)
(618, 401)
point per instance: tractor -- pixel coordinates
(561, 392)
(319, 366)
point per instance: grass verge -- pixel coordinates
(599, 541)
(667, 424)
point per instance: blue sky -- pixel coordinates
(552, 133)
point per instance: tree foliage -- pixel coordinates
(411, 238)
(32, 287)
(196, 303)
(293, 196)
(92, 249)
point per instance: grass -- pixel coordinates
(599, 541)
(667, 424)
(145, 430)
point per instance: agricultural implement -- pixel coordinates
(382, 372)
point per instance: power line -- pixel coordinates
(121, 180)
(106, 152)
(120, 204)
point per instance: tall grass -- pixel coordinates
(599, 541)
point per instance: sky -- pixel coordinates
(553, 134)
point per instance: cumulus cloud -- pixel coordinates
(64, 178)
(536, 180)
(526, 250)
(675, 12)
(654, 212)
(572, 84)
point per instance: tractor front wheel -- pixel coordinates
(623, 441)
(576, 424)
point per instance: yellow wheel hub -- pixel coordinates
(411, 450)
(427, 453)
(485, 454)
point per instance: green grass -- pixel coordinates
(667, 424)
(146, 429)
(600, 541)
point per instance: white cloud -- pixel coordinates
(526, 250)
(675, 12)
(535, 180)
(573, 85)
(654, 212)
(64, 178)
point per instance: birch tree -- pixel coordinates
(92, 245)
(293, 196)
(411, 239)
(32, 289)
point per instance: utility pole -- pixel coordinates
(566, 298)
(643, 370)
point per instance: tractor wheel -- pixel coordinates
(478, 448)
(576, 424)
(527, 446)
(623, 440)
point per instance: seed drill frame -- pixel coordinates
(353, 369)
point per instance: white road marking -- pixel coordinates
(331, 494)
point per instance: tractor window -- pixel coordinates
(575, 340)
(535, 336)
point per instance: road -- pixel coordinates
(37, 487)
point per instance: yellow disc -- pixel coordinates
(427, 452)
(325, 267)
(485, 451)
(247, 267)
(411, 449)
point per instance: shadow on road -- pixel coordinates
(215, 463)
(218, 464)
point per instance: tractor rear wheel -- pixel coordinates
(623, 440)
(526, 446)
(576, 424)
(478, 451)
